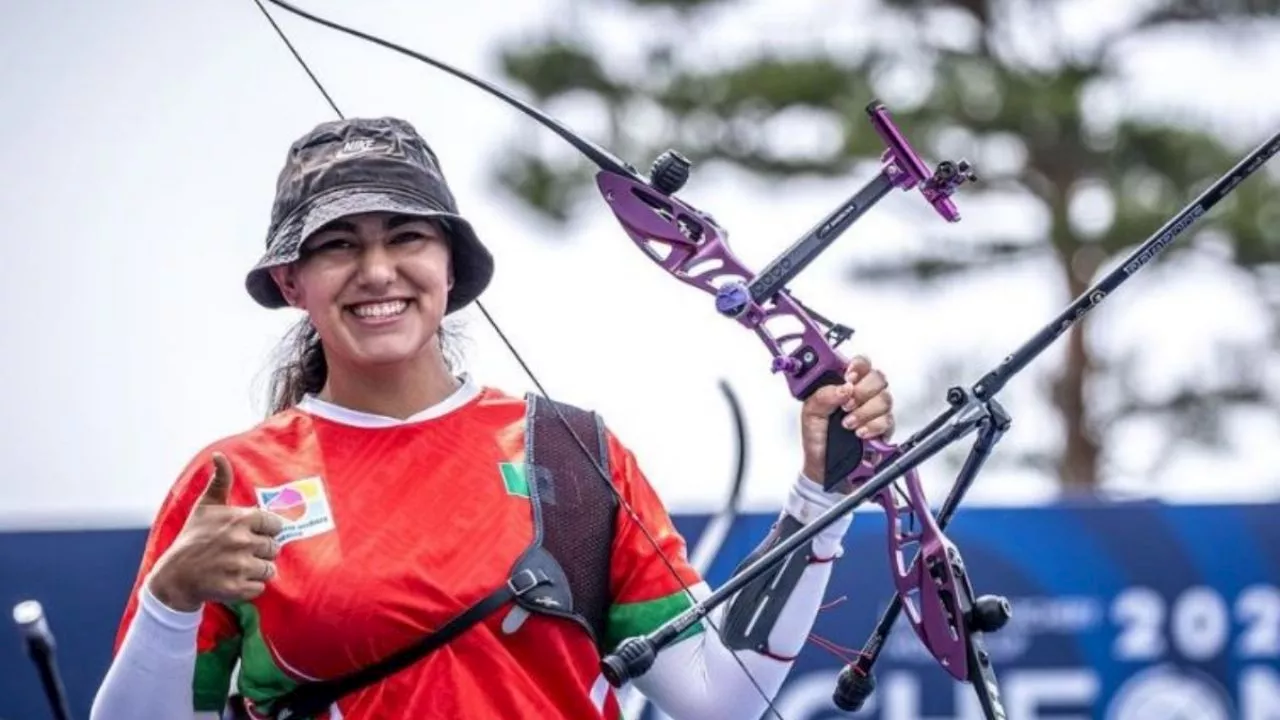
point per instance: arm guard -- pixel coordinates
(753, 613)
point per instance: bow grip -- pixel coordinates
(844, 448)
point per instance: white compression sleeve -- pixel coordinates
(699, 678)
(151, 675)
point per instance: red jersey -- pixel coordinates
(392, 529)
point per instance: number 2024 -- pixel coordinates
(1199, 623)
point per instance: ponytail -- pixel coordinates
(303, 370)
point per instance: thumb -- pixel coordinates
(215, 493)
(825, 400)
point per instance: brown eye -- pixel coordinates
(408, 237)
(327, 246)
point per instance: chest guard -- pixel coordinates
(574, 514)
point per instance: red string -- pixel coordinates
(833, 603)
(844, 654)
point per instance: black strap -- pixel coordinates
(312, 698)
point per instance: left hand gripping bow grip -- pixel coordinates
(844, 453)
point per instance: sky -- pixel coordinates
(141, 141)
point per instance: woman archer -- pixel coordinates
(386, 494)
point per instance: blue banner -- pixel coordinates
(1121, 612)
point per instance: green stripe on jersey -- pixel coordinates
(639, 618)
(515, 479)
(213, 675)
(261, 680)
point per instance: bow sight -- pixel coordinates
(933, 588)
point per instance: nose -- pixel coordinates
(376, 270)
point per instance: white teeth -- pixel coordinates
(382, 309)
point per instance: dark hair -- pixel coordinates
(302, 368)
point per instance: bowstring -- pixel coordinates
(510, 347)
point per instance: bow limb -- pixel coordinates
(600, 156)
(717, 530)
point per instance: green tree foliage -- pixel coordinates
(999, 78)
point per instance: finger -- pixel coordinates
(249, 589)
(872, 409)
(825, 400)
(250, 583)
(866, 388)
(858, 367)
(219, 487)
(881, 427)
(258, 570)
(266, 523)
(265, 548)
(870, 386)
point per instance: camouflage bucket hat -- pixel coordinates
(353, 166)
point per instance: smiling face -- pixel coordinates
(375, 287)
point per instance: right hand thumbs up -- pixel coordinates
(219, 487)
(224, 553)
